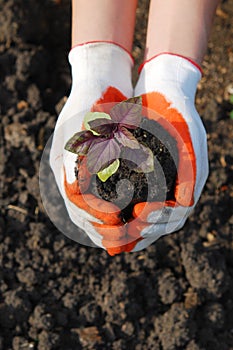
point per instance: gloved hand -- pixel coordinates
(168, 85)
(101, 73)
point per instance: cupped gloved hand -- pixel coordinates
(101, 73)
(168, 85)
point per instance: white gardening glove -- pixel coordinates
(168, 85)
(101, 72)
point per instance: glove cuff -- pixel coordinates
(172, 54)
(104, 42)
(102, 63)
(169, 71)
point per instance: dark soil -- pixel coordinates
(57, 294)
(127, 187)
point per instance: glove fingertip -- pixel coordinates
(110, 232)
(114, 251)
(184, 194)
(132, 243)
(143, 209)
(124, 248)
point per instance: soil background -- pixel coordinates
(57, 294)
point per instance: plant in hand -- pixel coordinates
(124, 157)
(109, 137)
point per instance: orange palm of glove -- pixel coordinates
(117, 236)
(172, 121)
(160, 110)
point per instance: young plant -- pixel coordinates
(108, 138)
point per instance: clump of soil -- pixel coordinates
(127, 186)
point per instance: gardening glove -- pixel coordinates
(101, 73)
(168, 85)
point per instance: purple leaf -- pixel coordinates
(148, 164)
(102, 126)
(136, 156)
(126, 138)
(101, 154)
(80, 142)
(143, 158)
(127, 113)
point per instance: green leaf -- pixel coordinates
(90, 116)
(104, 174)
(231, 99)
(231, 114)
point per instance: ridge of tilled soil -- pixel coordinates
(59, 295)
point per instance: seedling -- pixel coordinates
(108, 138)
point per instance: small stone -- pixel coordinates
(88, 335)
(22, 105)
(128, 328)
(191, 299)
